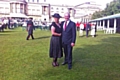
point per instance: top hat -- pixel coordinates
(56, 15)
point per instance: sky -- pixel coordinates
(76, 2)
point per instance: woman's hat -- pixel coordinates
(30, 18)
(56, 15)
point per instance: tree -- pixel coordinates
(111, 8)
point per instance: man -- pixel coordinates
(9, 25)
(30, 28)
(78, 25)
(87, 29)
(68, 39)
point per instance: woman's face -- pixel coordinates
(56, 19)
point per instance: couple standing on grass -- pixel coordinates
(63, 36)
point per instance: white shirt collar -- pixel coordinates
(67, 22)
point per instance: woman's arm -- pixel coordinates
(53, 31)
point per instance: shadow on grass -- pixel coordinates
(91, 62)
(4, 34)
(107, 46)
(43, 37)
(101, 59)
(8, 31)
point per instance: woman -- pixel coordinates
(93, 30)
(55, 42)
(81, 29)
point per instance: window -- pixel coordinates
(51, 7)
(33, 9)
(57, 8)
(21, 8)
(37, 0)
(1, 9)
(29, 11)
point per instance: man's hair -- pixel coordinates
(68, 13)
(31, 18)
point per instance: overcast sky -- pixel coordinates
(76, 2)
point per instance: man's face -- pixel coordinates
(67, 16)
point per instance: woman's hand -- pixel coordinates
(60, 34)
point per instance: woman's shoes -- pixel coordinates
(55, 64)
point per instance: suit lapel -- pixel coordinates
(63, 25)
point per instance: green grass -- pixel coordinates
(93, 58)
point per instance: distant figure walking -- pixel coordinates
(30, 28)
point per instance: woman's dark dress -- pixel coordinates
(56, 43)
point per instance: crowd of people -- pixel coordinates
(7, 23)
(87, 27)
(11, 23)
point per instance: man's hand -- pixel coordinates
(72, 44)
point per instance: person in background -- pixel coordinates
(45, 24)
(14, 23)
(24, 25)
(55, 50)
(87, 29)
(81, 29)
(93, 30)
(78, 25)
(30, 28)
(9, 24)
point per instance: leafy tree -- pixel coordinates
(111, 8)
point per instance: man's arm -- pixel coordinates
(73, 34)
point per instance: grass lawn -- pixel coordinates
(93, 58)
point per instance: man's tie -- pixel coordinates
(65, 25)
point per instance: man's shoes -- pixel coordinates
(64, 63)
(69, 66)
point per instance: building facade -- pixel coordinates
(40, 10)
